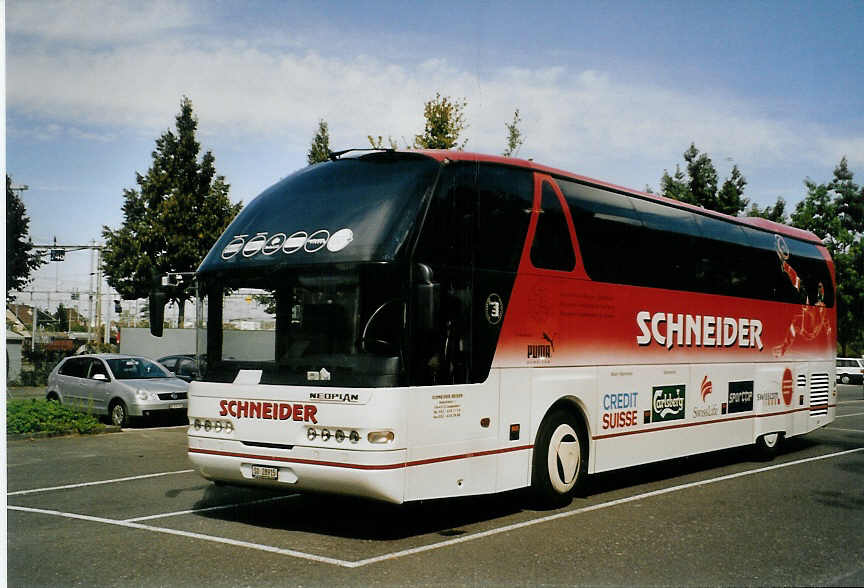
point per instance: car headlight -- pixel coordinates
(141, 394)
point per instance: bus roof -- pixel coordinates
(756, 222)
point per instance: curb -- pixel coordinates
(48, 435)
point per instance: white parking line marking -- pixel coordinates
(600, 506)
(208, 509)
(440, 544)
(849, 430)
(851, 402)
(843, 416)
(189, 534)
(69, 486)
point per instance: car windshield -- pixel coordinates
(136, 368)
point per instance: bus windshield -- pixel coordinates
(340, 326)
(352, 210)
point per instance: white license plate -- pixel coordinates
(265, 472)
(175, 406)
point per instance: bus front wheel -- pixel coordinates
(560, 459)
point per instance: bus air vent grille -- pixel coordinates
(818, 395)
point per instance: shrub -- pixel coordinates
(35, 416)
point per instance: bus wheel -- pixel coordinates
(560, 460)
(768, 445)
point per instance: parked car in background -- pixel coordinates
(850, 370)
(182, 365)
(117, 386)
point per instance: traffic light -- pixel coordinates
(117, 307)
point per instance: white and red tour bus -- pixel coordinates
(424, 324)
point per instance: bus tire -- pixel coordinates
(560, 462)
(768, 445)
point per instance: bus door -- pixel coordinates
(471, 241)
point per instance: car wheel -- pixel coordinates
(53, 397)
(844, 379)
(768, 445)
(119, 414)
(560, 462)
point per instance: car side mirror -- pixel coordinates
(100, 377)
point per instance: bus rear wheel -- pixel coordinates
(560, 460)
(768, 445)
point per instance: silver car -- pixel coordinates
(119, 386)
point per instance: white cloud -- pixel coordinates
(578, 119)
(96, 21)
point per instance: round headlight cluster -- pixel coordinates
(209, 426)
(326, 435)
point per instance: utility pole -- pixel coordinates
(58, 252)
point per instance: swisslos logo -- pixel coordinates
(695, 330)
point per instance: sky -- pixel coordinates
(611, 90)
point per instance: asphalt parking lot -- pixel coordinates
(126, 508)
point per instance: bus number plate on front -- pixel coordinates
(265, 472)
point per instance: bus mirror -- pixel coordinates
(157, 301)
(426, 299)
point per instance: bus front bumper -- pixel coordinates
(379, 475)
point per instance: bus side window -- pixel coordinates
(608, 231)
(552, 247)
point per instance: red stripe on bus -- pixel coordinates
(726, 420)
(357, 466)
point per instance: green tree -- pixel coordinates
(699, 185)
(831, 211)
(173, 218)
(702, 185)
(776, 212)
(445, 121)
(675, 186)
(730, 199)
(62, 317)
(378, 142)
(21, 260)
(319, 150)
(515, 138)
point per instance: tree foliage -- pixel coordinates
(21, 260)
(319, 150)
(515, 138)
(445, 121)
(699, 185)
(378, 142)
(170, 222)
(835, 213)
(776, 212)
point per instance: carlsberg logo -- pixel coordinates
(667, 403)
